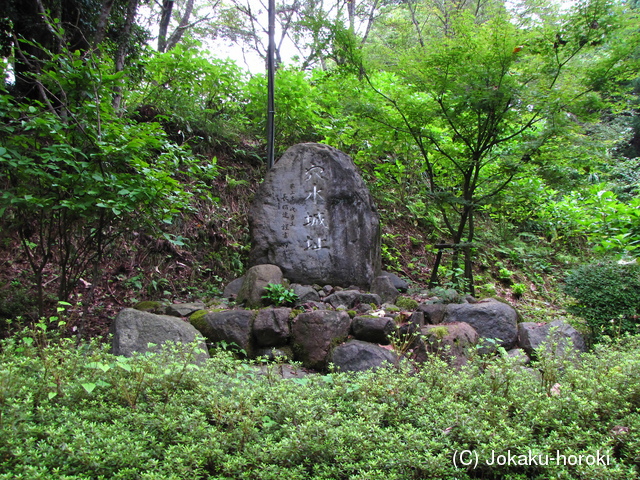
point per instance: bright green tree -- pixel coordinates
(478, 97)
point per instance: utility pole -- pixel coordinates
(271, 85)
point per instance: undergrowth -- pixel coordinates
(74, 411)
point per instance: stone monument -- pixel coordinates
(314, 217)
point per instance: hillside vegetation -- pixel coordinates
(504, 140)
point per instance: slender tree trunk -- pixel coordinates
(132, 9)
(101, 27)
(165, 18)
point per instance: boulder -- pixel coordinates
(490, 318)
(231, 327)
(305, 293)
(271, 327)
(400, 284)
(433, 312)
(233, 288)
(451, 340)
(358, 356)
(533, 335)
(383, 287)
(314, 333)
(133, 330)
(184, 309)
(372, 329)
(254, 282)
(344, 298)
(314, 217)
(370, 299)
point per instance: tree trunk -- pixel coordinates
(165, 18)
(132, 9)
(182, 26)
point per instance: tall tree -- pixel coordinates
(477, 95)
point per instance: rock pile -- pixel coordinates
(350, 328)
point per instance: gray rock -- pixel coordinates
(271, 327)
(133, 331)
(372, 329)
(232, 327)
(451, 340)
(184, 309)
(490, 318)
(305, 293)
(314, 333)
(345, 298)
(433, 312)
(534, 335)
(383, 287)
(254, 282)
(370, 299)
(358, 356)
(417, 318)
(314, 217)
(400, 284)
(233, 288)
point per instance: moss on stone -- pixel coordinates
(150, 306)
(406, 303)
(197, 320)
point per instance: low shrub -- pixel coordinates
(77, 412)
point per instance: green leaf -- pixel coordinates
(89, 387)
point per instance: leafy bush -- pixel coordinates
(607, 295)
(200, 96)
(75, 175)
(78, 412)
(278, 294)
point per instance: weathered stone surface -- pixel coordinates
(233, 288)
(370, 299)
(490, 318)
(230, 326)
(400, 284)
(372, 329)
(417, 318)
(533, 335)
(314, 333)
(433, 312)
(184, 309)
(357, 356)
(134, 330)
(451, 340)
(383, 287)
(254, 282)
(345, 298)
(271, 327)
(305, 293)
(314, 217)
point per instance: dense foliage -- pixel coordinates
(76, 412)
(607, 296)
(504, 132)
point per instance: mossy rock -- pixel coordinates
(295, 312)
(151, 306)
(197, 320)
(406, 303)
